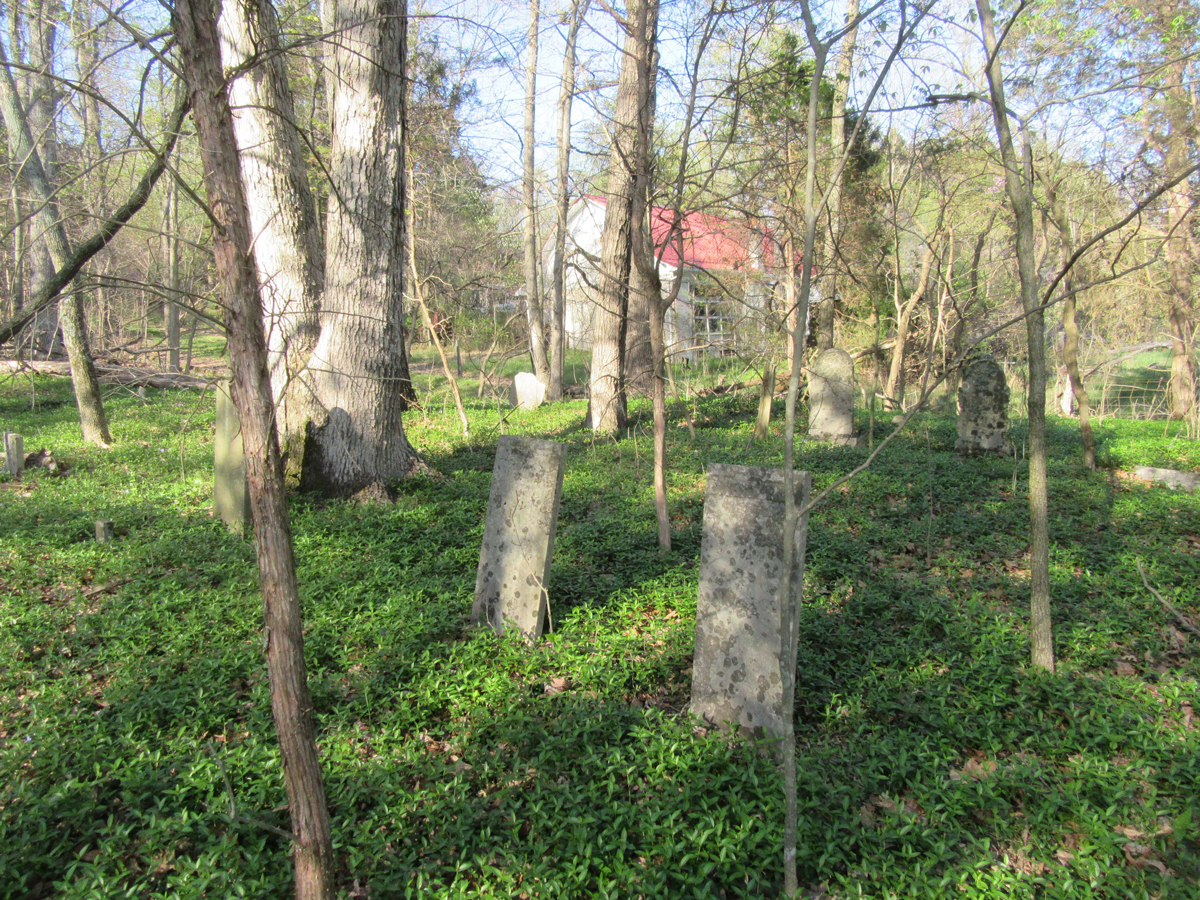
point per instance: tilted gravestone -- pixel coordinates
(831, 398)
(983, 409)
(736, 675)
(231, 490)
(526, 392)
(14, 453)
(518, 536)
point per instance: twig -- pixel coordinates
(233, 813)
(112, 585)
(1179, 617)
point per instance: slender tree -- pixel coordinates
(312, 845)
(1018, 185)
(533, 294)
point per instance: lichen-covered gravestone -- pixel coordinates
(983, 409)
(231, 490)
(14, 453)
(526, 391)
(831, 398)
(736, 677)
(518, 536)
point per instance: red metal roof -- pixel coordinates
(709, 242)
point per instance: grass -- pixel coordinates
(933, 762)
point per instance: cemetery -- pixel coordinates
(589, 716)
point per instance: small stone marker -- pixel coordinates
(736, 676)
(1172, 478)
(526, 391)
(983, 409)
(231, 490)
(14, 453)
(518, 536)
(105, 531)
(831, 398)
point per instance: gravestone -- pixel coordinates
(1172, 478)
(983, 409)
(831, 398)
(105, 531)
(231, 490)
(736, 676)
(526, 392)
(14, 453)
(518, 536)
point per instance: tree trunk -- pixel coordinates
(196, 33)
(1018, 183)
(904, 312)
(827, 311)
(1180, 259)
(630, 138)
(170, 257)
(358, 365)
(283, 217)
(1076, 387)
(39, 179)
(566, 96)
(533, 296)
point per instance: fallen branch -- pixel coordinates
(1179, 617)
(114, 374)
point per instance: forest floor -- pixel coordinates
(933, 761)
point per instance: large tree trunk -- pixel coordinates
(629, 142)
(283, 217)
(566, 96)
(196, 32)
(40, 181)
(827, 311)
(1018, 183)
(46, 339)
(358, 365)
(533, 295)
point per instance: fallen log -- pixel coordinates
(110, 374)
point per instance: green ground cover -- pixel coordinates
(933, 763)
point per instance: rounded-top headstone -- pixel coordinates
(983, 409)
(526, 391)
(831, 398)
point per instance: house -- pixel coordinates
(728, 280)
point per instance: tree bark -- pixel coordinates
(1071, 328)
(196, 33)
(39, 180)
(358, 365)
(1180, 259)
(533, 296)
(566, 96)
(827, 311)
(904, 312)
(283, 217)
(629, 142)
(1018, 183)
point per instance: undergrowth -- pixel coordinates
(933, 761)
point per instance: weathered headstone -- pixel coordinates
(518, 535)
(736, 677)
(831, 398)
(526, 392)
(983, 409)
(105, 531)
(14, 453)
(1172, 478)
(231, 490)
